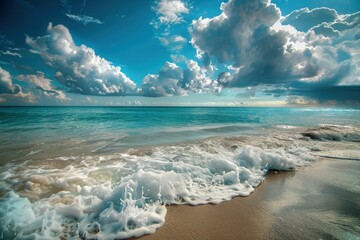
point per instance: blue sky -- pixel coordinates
(180, 52)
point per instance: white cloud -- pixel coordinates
(14, 54)
(173, 80)
(318, 51)
(229, 35)
(83, 19)
(134, 103)
(173, 42)
(11, 92)
(6, 84)
(326, 30)
(165, 83)
(244, 36)
(196, 79)
(336, 45)
(304, 19)
(19, 98)
(43, 84)
(80, 17)
(178, 58)
(169, 12)
(78, 67)
(298, 100)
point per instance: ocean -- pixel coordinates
(109, 172)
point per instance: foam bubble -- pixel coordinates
(124, 195)
(16, 214)
(286, 126)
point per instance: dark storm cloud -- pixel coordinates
(321, 91)
(276, 92)
(340, 94)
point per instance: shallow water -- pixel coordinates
(81, 130)
(108, 172)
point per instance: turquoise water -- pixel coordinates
(108, 172)
(26, 129)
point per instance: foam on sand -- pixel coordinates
(124, 195)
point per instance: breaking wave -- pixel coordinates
(124, 195)
(334, 133)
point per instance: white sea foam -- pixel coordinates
(286, 126)
(124, 195)
(328, 132)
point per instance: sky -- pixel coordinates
(180, 53)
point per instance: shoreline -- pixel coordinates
(111, 196)
(315, 202)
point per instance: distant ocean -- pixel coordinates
(109, 172)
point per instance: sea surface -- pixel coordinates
(109, 172)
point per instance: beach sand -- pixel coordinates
(321, 201)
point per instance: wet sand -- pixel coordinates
(321, 201)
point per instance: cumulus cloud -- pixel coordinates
(21, 98)
(323, 22)
(196, 79)
(78, 67)
(304, 19)
(308, 50)
(6, 83)
(165, 83)
(225, 36)
(326, 30)
(244, 35)
(336, 46)
(169, 12)
(173, 80)
(43, 84)
(11, 92)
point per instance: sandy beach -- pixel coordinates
(321, 201)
